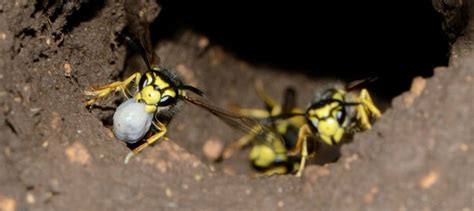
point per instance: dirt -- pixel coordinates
(55, 154)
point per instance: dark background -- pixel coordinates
(347, 40)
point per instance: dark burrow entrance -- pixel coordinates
(394, 42)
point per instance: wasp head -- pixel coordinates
(156, 91)
(327, 117)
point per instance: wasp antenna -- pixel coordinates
(358, 83)
(191, 89)
(350, 103)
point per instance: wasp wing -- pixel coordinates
(242, 123)
(138, 28)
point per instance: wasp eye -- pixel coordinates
(143, 82)
(340, 116)
(166, 101)
(315, 123)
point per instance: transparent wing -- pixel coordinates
(145, 41)
(138, 30)
(244, 124)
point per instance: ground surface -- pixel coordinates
(57, 155)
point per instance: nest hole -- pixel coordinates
(393, 41)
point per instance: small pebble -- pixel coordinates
(464, 147)
(30, 199)
(55, 120)
(417, 86)
(280, 204)
(67, 69)
(213, 149)
(78, 153)
(369, 197)
(429, 180)
(203, 42)
(7, 203)
(168, 193)
(198, 177)
(35, 110)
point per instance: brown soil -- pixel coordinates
(57, 155)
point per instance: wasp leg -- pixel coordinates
(105, 90)
(239, 144)
(363, 117)
(250, 112)
(304, 156)
(273, 108)
(367, 100)
(301, 133)
(302, 147)
(366, 109)
(161, 127)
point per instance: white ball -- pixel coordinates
(131, 121)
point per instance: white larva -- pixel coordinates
(131, 121)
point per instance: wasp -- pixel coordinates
(333, 115)
(269, 151)
(154, 97)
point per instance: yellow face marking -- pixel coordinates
(153, 93)
(160, 82)
(330, 130)
(149, 95)
(324, 119)
(169, 92)
(324, 111)
(148, 108)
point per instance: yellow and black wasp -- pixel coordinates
(334, 114)
(269, 149)
(153, 100)
(158, 91)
